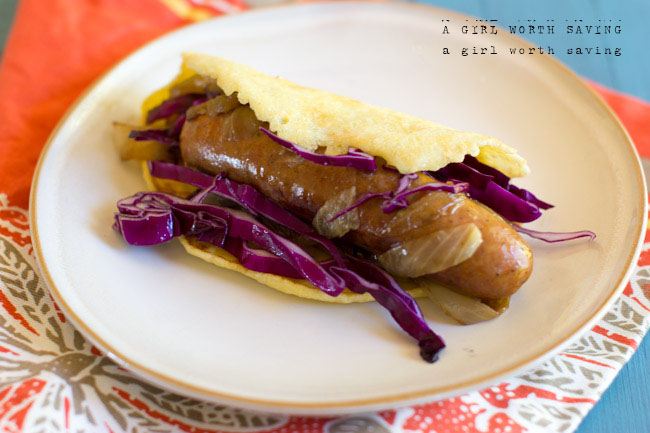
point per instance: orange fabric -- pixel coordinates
(55, 50)
(58, 47)
(633, 112)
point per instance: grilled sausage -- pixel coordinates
(232, 143)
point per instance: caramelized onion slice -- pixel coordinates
(241, 124)
(213, 107)
(196, 84)
(344, 223)
(434, 252)
(464, 309)
(128, 148)
(499, 305)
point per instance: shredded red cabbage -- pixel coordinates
(177, 127)
(505, 203)
(244, 195)
(461, 171)
(149, 218)
(355, 158)
(394, 200)
(259, 260)
(165, 170)
(175, 105)
(504, 181)
(552, 237)
(398, 200)
(163, 136)
(363, 276)
(170, 136)
(493, 188)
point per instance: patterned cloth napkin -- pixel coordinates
(53, 380)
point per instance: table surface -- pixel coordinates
(625, 406)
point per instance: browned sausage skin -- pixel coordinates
(232, 143)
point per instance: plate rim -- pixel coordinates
(341, 405)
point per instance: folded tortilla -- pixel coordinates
(313, 118)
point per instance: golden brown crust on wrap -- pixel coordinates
(312, 118)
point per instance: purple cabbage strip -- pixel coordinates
(362, 276)
(493, 188)
(529, 197)
(246, 196)
(460, 171)
(165, 170)
(170, 136)
(394, 200)
(390, 199)
(259, 260)
(398, 201)
(403, 184)
(355, 158)
(552, 237)
(171, 106)
(504, 181)
(177, 127)
(149, 218)
(505, 203)
(160, 135)
(362, 199)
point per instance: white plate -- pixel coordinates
(186, 325)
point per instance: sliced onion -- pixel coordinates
(241, 124)
(129, 148)
(499, 305)
(212, 107)
(552, 237)
(196, 84)
(355, 158)
(464, 309)
(330, 226)
(364, 198)
(434, 252)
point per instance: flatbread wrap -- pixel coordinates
(327, 198)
